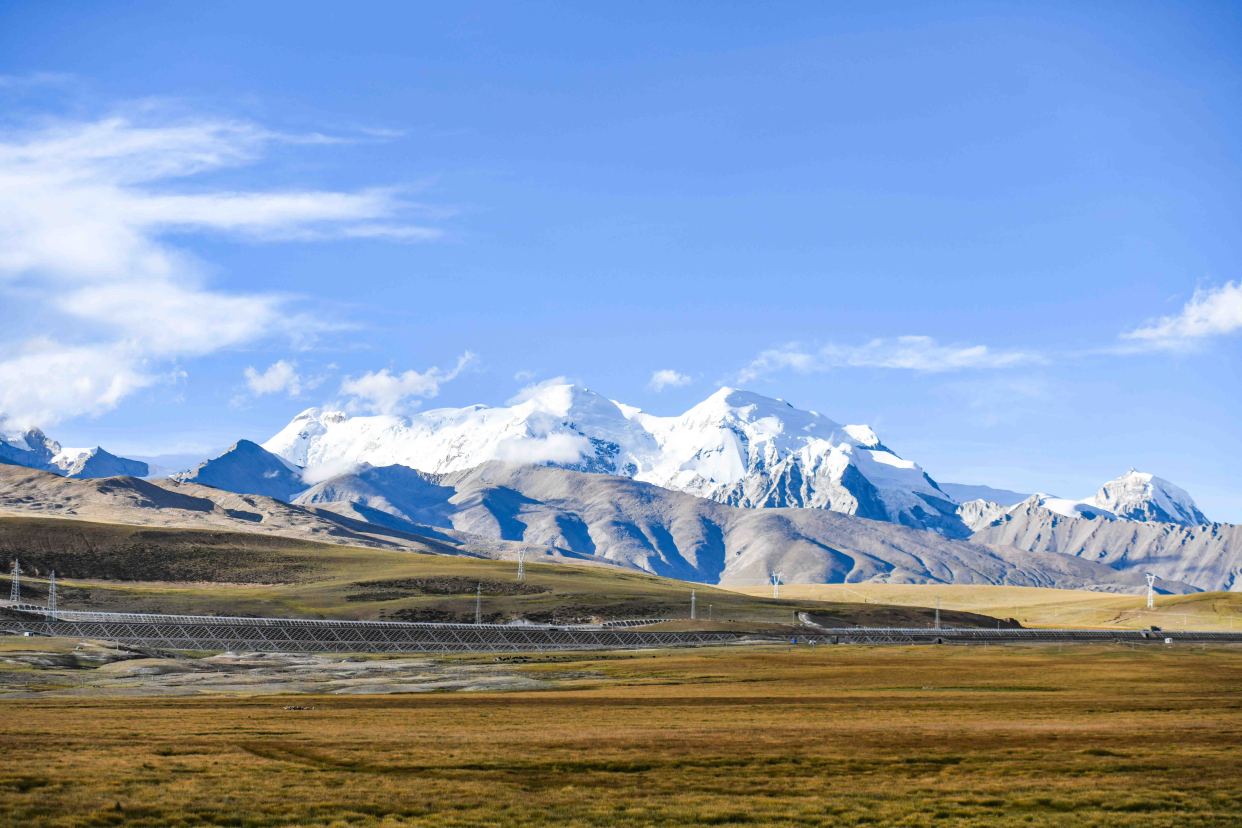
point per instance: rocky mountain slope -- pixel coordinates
(679, 535)
(129, 500)
(249, 469)
(735, 447)
(499, 508)
(1208, 556)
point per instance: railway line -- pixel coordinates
(214, 633)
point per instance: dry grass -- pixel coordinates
(843, 736)
(134, 569)
(1037, 606)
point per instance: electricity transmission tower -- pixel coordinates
(521, 564)
(15, 583)
(693, 605)
(776, 584)
(478, 604)
(1151, 590)
(937, 613)
(51, 595)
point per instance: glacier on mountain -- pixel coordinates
(735, 447)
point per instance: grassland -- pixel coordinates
(843, 736)
(1038, 607)
(128, 568)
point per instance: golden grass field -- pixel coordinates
(1037, 606)
(114, 567)
(1080, 735)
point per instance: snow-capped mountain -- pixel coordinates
(1141, 496)
(1137, 522)
(96, 462)
(36, 450)
(31, 448)
(1134, 496)
(735, 447)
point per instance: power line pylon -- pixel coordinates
(521, 556)
(15, 583)
(51, 595)
(776, 584)
(1151, 590)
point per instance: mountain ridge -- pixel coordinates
(34, 449)
(735, 447)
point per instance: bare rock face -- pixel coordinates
(977, 514)
(678, 535)
(247, 468)
(1207, 556)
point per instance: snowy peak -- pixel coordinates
(30, 448)
(1142, 496)
(1135, 496)
(96, 462)
(735, 447)
(36, 450)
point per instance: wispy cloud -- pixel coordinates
(1210, 312)
(388, 393)
(667, 378)
(87, 213)
(995, 400)
(909, 353)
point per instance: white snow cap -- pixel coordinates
(736, 446)
(1143, 496)
(1135, 495)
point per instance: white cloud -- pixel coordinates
(910, 353)
(46, 380)
(281, 377)
(328, 470)
(87, 209)
(1211, 312)
(552, 448)
(667, 378)
(387, 393)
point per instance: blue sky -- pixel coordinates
(1005, 236)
